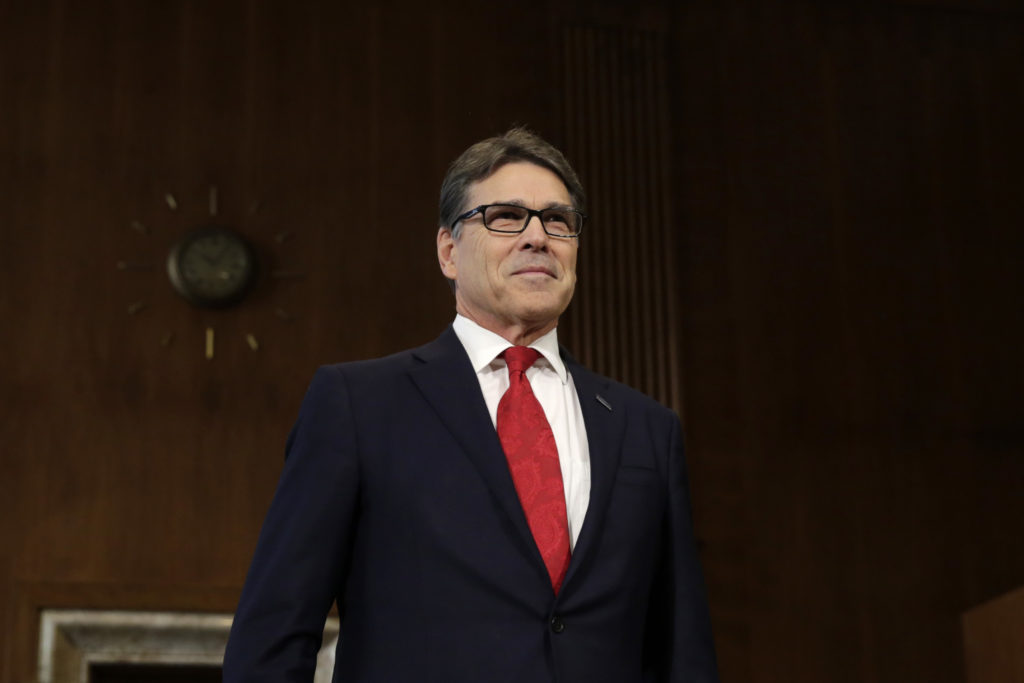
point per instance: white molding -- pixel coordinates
(70, 640)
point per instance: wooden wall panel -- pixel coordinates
(994, 639)
(615, 107)
(848, 295)
(128, 462)
(805, 221)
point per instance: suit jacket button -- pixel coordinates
(557, 625)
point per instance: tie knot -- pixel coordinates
(520, 357)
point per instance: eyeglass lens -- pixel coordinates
(511, 218)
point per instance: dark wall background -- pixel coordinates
(812, 208)
(850, 180)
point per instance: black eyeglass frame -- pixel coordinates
(530, 213)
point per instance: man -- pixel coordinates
(483, 509)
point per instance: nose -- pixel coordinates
(533, 235)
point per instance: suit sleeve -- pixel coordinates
(680, 647)
(303, 551)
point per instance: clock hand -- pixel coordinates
(215, 259)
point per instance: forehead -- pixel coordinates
(520, 181)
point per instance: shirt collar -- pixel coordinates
(483, 346)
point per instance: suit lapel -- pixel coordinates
(446, 379)
(605, 419)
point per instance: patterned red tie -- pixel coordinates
(532, 456)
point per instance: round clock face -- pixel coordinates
(212, 267)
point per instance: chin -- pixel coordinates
(542, 314)
(539, 305)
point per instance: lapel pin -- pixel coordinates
(600, 399)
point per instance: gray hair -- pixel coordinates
(487, 156)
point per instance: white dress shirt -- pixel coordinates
(552, 385)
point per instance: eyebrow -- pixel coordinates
(520, 202)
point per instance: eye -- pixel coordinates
(505, 217)
(559, 220)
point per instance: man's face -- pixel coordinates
(511, 282)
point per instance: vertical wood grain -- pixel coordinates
(806, 215)
(623, 321)
(130, 462)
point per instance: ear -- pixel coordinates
(446, 250)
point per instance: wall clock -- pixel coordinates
(212, 267)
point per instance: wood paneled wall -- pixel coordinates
(823, 239)
(850, 296)
(135, 471)
(623, 318)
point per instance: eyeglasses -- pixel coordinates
(512, 219)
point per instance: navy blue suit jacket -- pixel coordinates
(396, 501)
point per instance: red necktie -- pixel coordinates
(532, 456)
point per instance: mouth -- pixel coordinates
(534, 270)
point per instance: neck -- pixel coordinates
(519, 333)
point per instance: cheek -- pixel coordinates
(569, 264)
(493, 263)
(471, 261)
